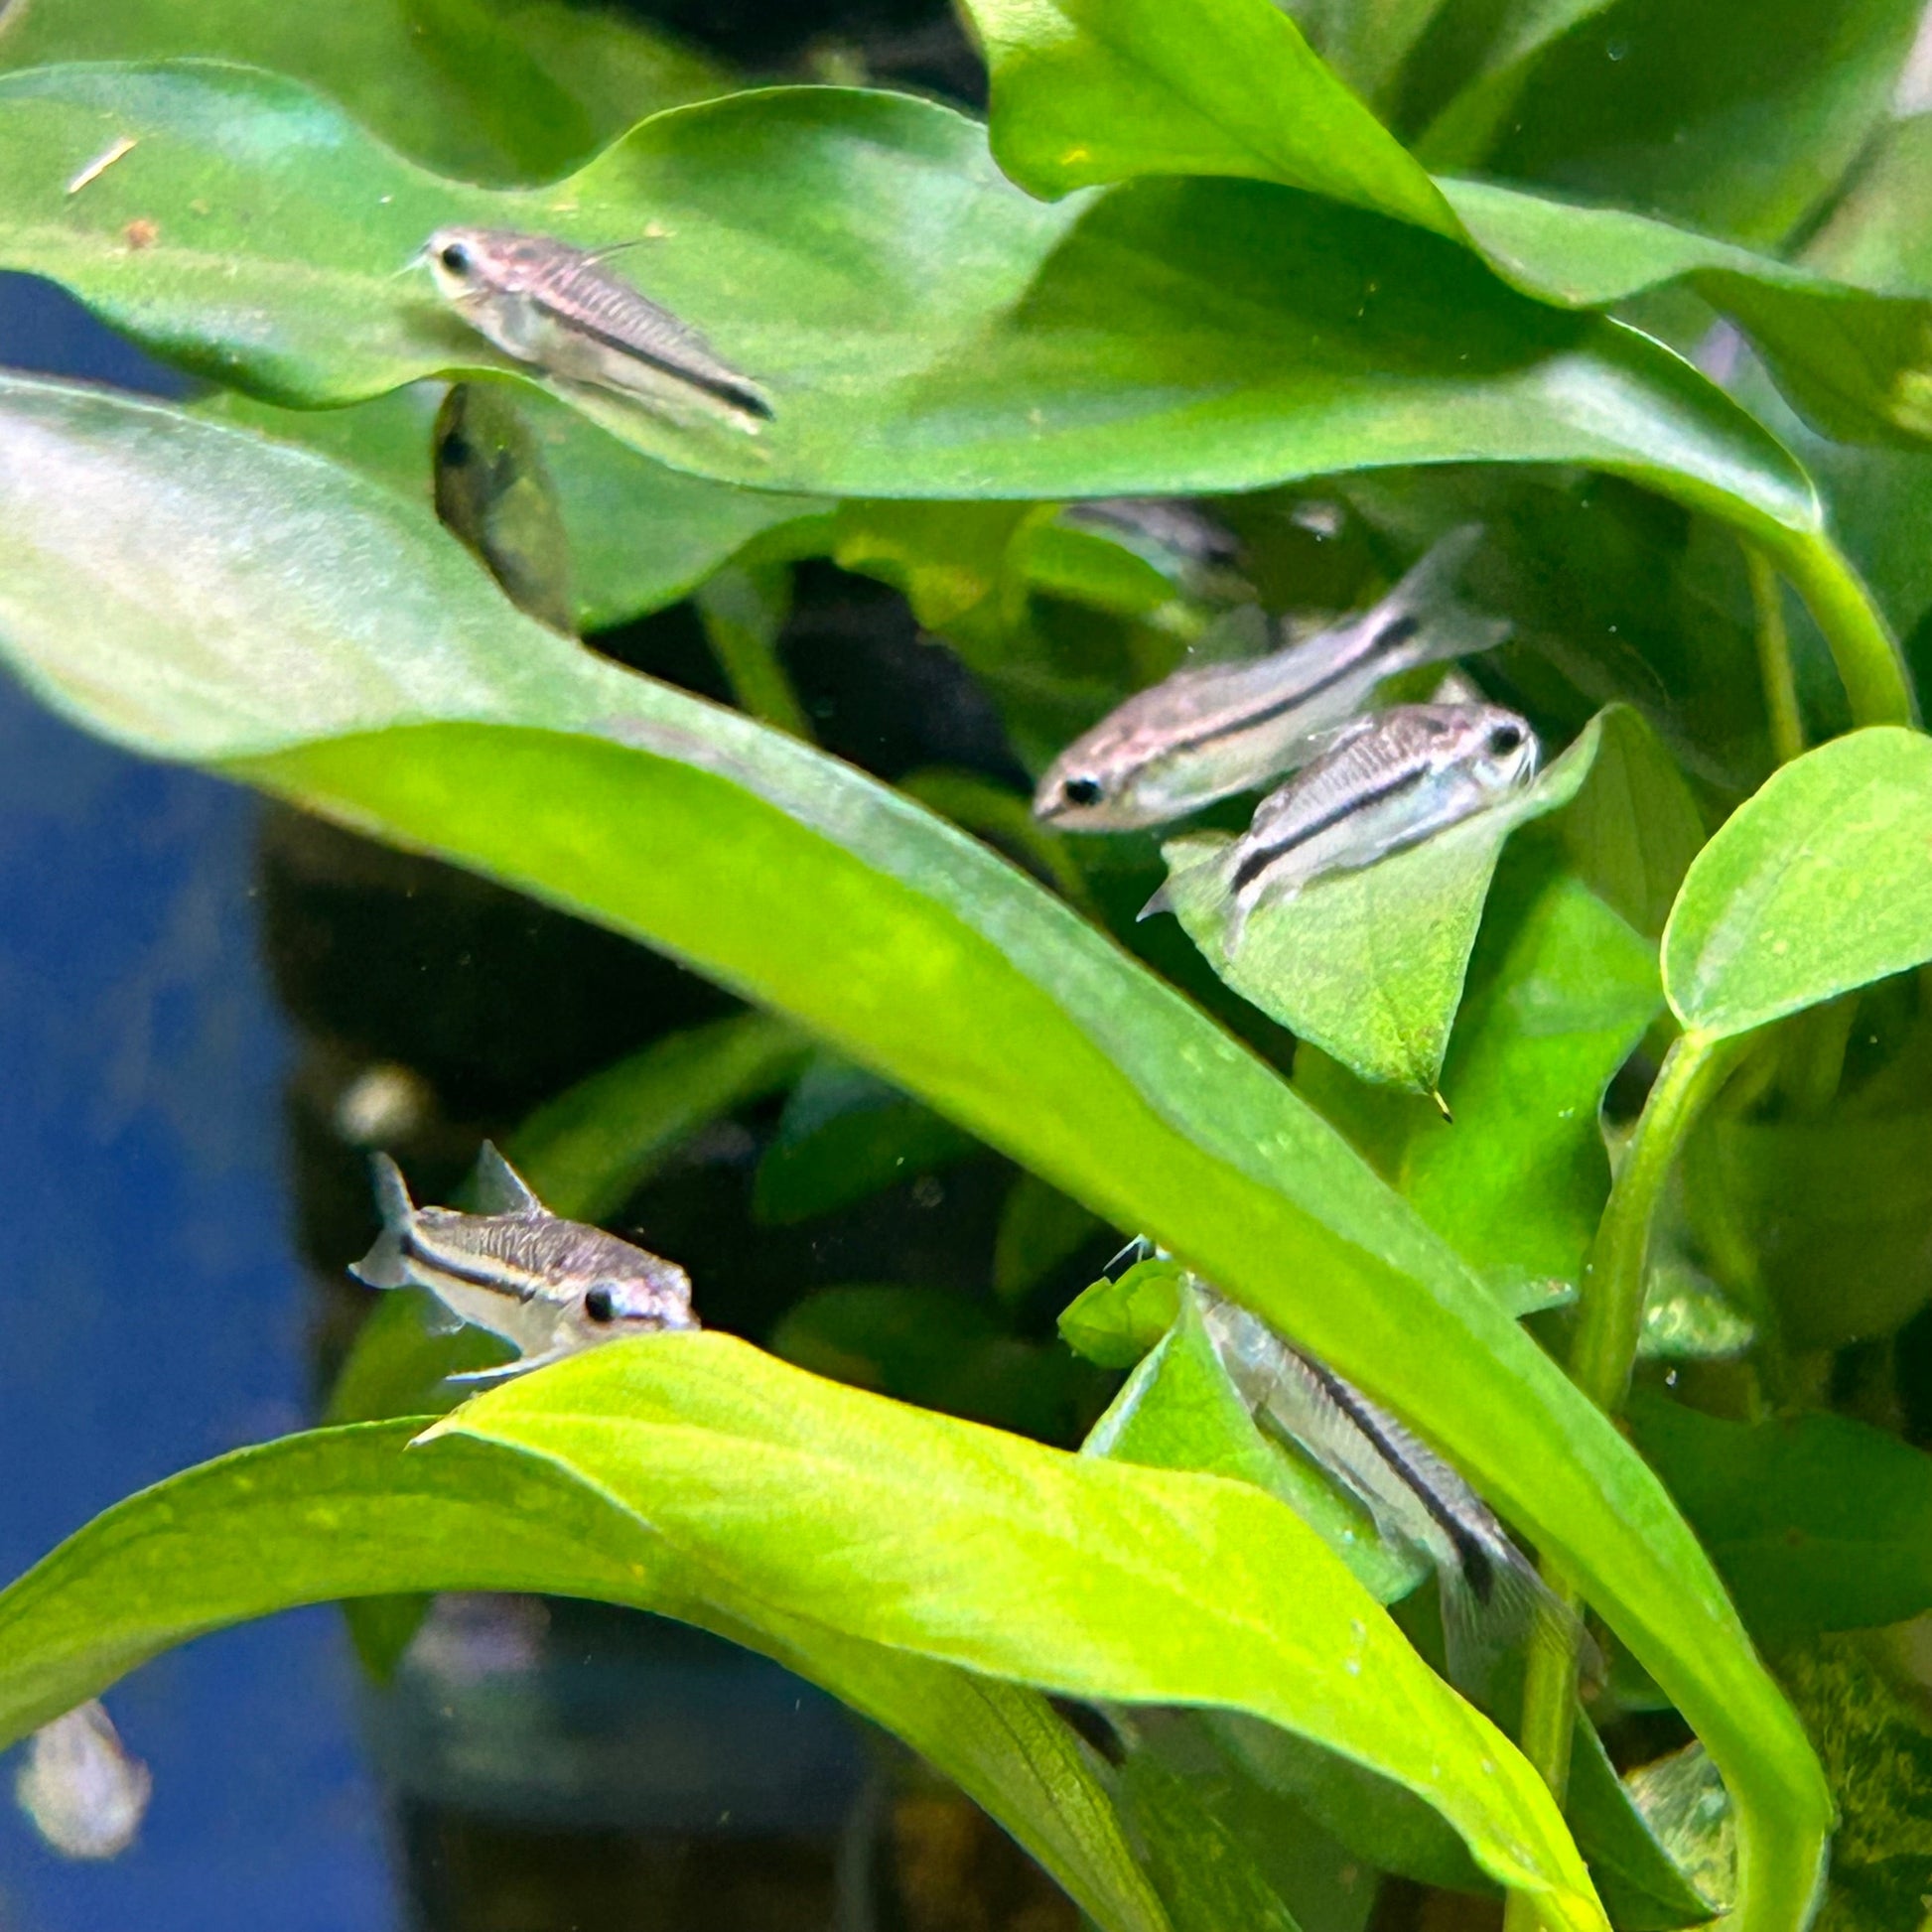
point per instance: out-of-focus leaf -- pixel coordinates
(845, 1135)
(1818, 1522)
(1369, 964)
(1687, 1317)
(366, 1512)
(1178, 1410)
(1817, 885)
(591, 1148)
(490, 88)
(640, 535)
(1039, 1228)
(1683, 1801)
(1834, 1211)
(1518, 1183)
(1634, 830)
(1876, 1743)
(1741, 117)
(742, 612)
(1644, 1887)
(495, 494)
(1115, 1322)
(462, 728)
(1086, 92)
(963, 339)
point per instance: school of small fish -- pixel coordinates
(1361, 783)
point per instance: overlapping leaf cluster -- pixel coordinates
(1192, 256)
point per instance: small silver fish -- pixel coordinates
(85, 1790)
(559, 308)
(1492, 1598)
(1211, 730)
(1385, 784)
(1175, 535)
(548, 1286)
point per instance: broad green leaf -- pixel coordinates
(1518, 1184)
(591, 1148)
(844, 1135)
(1005, 820)
(1039, 1228)
(742, 611)
(1089, 92)
(1078, 1575)
(941, 1350)
(1369, 964)
(1817, 885)
(1644, 1887)
(456, 726)
(502, 88)
(1818, 1522)
(362, 1512)
(640, 535)
(1116, 1322)
(1178, 1410)
(961, 340)
(1741, 116)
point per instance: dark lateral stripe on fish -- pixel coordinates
(722, 388)
(1230, 727)
(1477, 1567)
(1398, 630)
(495, 1278)
(1258, 861)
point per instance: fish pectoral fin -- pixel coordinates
(500, 1189)
(383, 1265)
(439, 1318)
(522, 1365)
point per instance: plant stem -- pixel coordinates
(1781, 709)
(1861, 645)
(1605, 1349)
(741, 612)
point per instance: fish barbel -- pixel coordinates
(1388, 782)
(1211, 730)
(547, 1286)
(562, 310)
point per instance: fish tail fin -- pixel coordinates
(1425, 614)
(1495, 1606)
(1161, 901)
(383, 1266)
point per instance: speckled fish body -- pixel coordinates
(1492, 1598)
(1211, 731)
(563, 310)
(1393, 780)
(547, 1286)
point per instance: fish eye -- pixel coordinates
(601, 1305)
(1081, 791)
(1504, 740)
(455, 258)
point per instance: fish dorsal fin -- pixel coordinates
(500, 1189)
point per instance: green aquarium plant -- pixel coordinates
(1586, 1139)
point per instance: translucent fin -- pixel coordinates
(522, 1365)
(500, 1189)
(439, 1318)
(383, 1265)
(1513, 1610)
(1425, 602)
